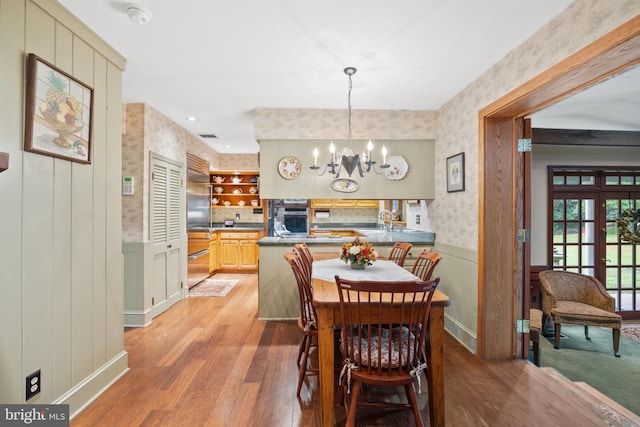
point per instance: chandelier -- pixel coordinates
(345, 157)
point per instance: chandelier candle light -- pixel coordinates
(345, 156)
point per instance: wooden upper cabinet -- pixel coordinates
(342, 203)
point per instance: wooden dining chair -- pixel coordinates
(307, 256)
(382, 343)
(307, 321)
(399, 252)
(425, 264)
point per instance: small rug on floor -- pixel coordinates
(212, 288)
(631, 331)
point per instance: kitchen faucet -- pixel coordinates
(381, 216)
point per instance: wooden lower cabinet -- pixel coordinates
(213, 254)
(238, 250)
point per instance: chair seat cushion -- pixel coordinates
(371, 359)
(584, 314)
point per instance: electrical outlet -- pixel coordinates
(33, 385)
(238, 217)
(417, 219)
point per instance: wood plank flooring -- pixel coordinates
(209, 361)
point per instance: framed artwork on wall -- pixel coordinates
(58, 113)
(455, 173)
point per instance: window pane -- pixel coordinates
(588, 255)
(626, 254)
(571, 255)
(558, 180)
(558, 232)
(626, 301)
(573, 180)
(626, 180)
(588, 232)
(573, 231)
(588, 180)
(611, 180)
(612, 278)
(558, 256)
(588, 209)
(612, 254)
(558, 210)
(612, 209)
(572, 209)
(626, 277)
(612, 232)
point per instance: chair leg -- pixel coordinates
(303, 343)
(616, 342)
(536, 352)
(556, 328)
(353, 404)
(303, 364)
(586, 333)
(411, 397)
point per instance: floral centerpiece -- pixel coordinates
(358, 253)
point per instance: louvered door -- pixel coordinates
(165, 225)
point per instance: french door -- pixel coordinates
(584, 233)
(619, 265)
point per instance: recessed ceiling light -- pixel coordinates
(227, 146)
(192, 119)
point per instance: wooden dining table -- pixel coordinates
(327, 303)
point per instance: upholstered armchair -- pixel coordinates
(580, 300)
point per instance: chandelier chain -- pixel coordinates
(349, 106)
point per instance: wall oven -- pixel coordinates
(296, 220)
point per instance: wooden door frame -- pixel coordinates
(500, 269)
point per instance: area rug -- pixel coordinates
(631, 331)
(212, 288)
(593, 362)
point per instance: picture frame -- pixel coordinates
(455, 173)
(58, 113)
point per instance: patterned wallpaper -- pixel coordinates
(146, 129)
(292, 123)
(454, 215)
(455, 126)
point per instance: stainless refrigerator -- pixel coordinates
(199, 219)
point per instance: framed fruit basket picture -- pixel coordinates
(58, 113)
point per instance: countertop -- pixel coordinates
(374, 236)
(241, 226)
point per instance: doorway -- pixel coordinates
(501, 261)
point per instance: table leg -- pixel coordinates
(325, 356)
(435, 361)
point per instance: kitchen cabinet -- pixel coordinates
(238, 250)
(235, 189)
(213, 253)
(342, 203)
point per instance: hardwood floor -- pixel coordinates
(209, 361)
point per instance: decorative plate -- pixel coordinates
(289, 167)
(397, 169)
(345, 185)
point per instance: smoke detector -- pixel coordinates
(138, 15)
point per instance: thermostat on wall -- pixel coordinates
(127, 185)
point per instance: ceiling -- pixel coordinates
(217, 61)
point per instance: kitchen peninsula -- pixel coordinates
(278, 292)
